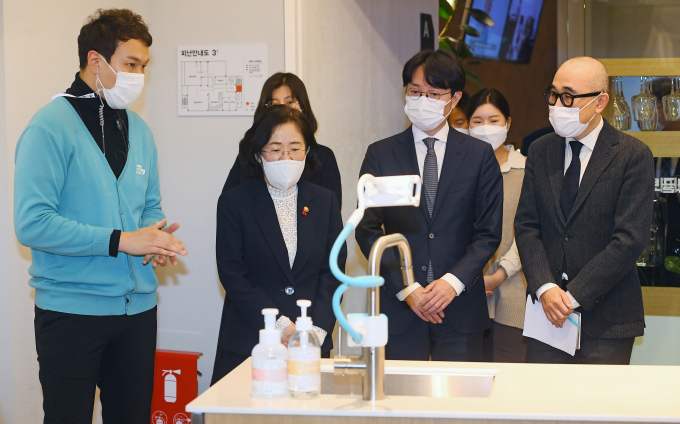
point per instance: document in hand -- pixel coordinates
(537, 326)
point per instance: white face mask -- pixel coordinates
(462, 130)
(126, 91)
(565, 120)
(492, 134)
(283, 174)
(424, 114)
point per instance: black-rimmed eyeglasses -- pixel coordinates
(432, 96)
(567, 99)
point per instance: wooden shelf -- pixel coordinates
(662, 67)
(661, 301)
(663, 143)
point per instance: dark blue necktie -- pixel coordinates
(571, 179)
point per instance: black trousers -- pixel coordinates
(440, 342)
(503, 343)
(76, 353)
(593, 351)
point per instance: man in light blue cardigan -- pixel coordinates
(87, 203)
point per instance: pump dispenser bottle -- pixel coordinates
(304, 358)
(270, 378)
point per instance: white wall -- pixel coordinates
(661, 343)
(6, 237)
(194, 158)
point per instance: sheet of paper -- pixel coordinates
(537, 326)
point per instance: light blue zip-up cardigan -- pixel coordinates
(67, 202)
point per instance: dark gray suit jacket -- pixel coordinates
(602, 237)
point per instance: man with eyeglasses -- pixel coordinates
(583, 219)
(453, 233)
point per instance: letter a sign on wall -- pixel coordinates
(426, 32)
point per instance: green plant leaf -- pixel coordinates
(443, 44)
(673, 264)
(469, 30)
(472, 77)
(482, 17)
(464, 51)
(445, 9)
(471, 74)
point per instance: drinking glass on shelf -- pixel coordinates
(634, 99)
(621, 111)
(644, 104)
(624, 103)
(651, 123)
(671, 102)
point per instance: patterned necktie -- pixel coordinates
(430, 175)
(570, 183)
(430, 182)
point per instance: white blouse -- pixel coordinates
(285, 203)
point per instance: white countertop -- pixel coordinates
(520, 391)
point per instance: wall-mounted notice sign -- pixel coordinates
(220, 80)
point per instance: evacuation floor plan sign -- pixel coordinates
(220, 80)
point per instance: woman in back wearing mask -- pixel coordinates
(458, 118)
(489, 115)
(274, 237)
(287, 89)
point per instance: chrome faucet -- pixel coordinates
(371, 364)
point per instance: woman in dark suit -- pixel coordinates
(274, 237)
(287, 89)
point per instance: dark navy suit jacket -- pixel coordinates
(252, 261)
(461, 237)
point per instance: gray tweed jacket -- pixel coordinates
(602, 237)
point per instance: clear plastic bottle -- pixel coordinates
(270, 365)
(304, 358)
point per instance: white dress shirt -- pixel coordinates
(421, 151)
(586, 152)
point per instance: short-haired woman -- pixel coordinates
(489, 116)
(274, 236)
(287, 89)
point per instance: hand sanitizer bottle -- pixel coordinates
(270, 379)
(304, 358)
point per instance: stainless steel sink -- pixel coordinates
(437, 385)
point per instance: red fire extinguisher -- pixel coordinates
(175, 385)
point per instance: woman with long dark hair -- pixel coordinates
(287, 89)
